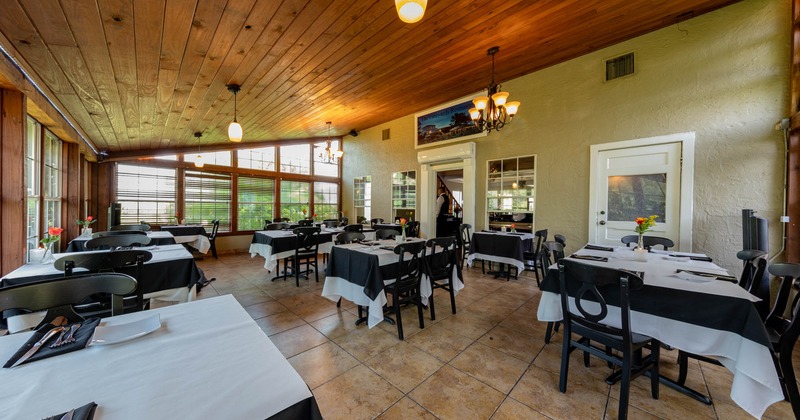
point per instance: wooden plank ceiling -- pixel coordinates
(135, 76)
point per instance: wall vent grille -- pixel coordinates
(619, 66)
(386, 134)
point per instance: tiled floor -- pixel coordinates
(487, 361)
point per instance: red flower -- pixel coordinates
(54, 231)
(89, 218)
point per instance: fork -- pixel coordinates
(68, 338)
(59, 339)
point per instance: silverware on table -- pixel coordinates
(38, 345)
(60, 338)
(69, 415)
(67, 336)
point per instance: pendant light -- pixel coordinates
(410, 11)
(234, 129)
(328, 155)
(198, 160)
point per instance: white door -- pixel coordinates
(633, 182)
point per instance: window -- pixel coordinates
(32, 184)
(296, 159)
(326, 200)
(208, 198)
(294, 199)
(211, 158)
(262, 158)
(510, 193)
(321, 166)
(404, 194)
(362, 194)
(146, 194)
(256, 201)
(52, 180)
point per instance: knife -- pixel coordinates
(37, 345)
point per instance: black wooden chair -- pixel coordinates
(784, 332)
(143, 227)
(755, 278)
(59, 295)
(386, 234)
(305, 252)
(560, 239)
(305, 222)
(648, 241)
(532, 257)
(212, 238)
(405, 287)
(375, 221)
(331, 223)
(552, 252)
(439, 269)
(354, 228)
(465, 238)
(347, 238)
(273, 226)
(117, 241)
(593, 286)
(412, 229)
(267, 222)
(109, 262)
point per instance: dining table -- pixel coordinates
(277, 245)
(686, 303)
(193, 235)
(156, 238)
(208, 359)
(505, 248)
(358, 272)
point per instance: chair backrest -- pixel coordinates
(343, 221)
(267, 222)
(592, 286)
(273, 226)
(541, 236)
(411, 264)
(386, 234)
(375, 221)
(305, 222)
(442, 258)
(788, 328)
(349, 237)
(464, 234)
(755, 278)
(354, 228)
(284, 220)
(214, 230)
(142, 227)
(116, 241)
(560, 239)
(117, 233)
(552, 252)
(61, 293)
(412, 229)
(331, 223)
(307, 240)
(97, 261)
(648, 241)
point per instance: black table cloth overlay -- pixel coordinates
(702, 309)
(185, 230)
(286, 243)
(509, 246)
(79, 244)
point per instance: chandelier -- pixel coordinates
(493, 111)
(328, 155)
(410, 11)
(234, 129)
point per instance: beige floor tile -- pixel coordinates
(279, 322)
(522, 346)
(309, 306)
(260, 310)
(440, 342)
(538, 389)
(467, 324)
(491, 366)
(297, 340)
(365, 342)
(410, 319)
(670, 403)
(404, 366)
(406, 409)
(359, 393)
(525, 324)
(734, 412)
(612, 411)
(251, 298)
(779, 410)
(337, 325)
(452, 394)
(322, 363)
(512, 409)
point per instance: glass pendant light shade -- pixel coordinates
(411, 11)
(198, 161)
(480, 102)
(474, 113)
(338, 154)
(235, 132)
(500, 98)
(512, 107)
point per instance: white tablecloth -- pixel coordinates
(520, 265)
(209, 360)
(198, 242)
(755, 382)
(271, 259)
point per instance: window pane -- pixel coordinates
(326, 200)
(256, 202)
(325, 162)
(33, 167)
(362, 195)
(294, 198)
(404, 194)
(633, 196)
(208, 198)
(296, 159)
(52, 180)
(146, 193)
(511, 193)
(262, 158)
(211, 158)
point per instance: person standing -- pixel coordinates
(442, 209)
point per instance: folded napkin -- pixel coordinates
(389, 247)
(488, 231)
(82, 337)
(515, 233)
(692, 257)
(598, 248)
(589, 257)
(85, 412)
(724, 277)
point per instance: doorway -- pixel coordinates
(457, 158)
(640, 178)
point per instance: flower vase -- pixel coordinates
(404, 233)
(86, 232)
(48, 257)
(640, 252)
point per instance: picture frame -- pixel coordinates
(446, 123)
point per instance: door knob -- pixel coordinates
(602, 222)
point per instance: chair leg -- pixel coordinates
(790, 382)
(430, 301)
(625, 385)
(655, 355)
(419, 309)
(683, 364)
(339, 303)
(316, 270)
(548, 333)
(396, 303)
(297, 265)
(214, 249)
(565, 346)
(452, 296)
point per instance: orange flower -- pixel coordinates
(402, 221)
(89, 218)
(640, 220)
(54, 231)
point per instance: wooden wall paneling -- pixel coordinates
(93, 172)
(12, 192)
(71, 191)
(793, 165)
(105, 193)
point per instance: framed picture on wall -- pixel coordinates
(446, 123)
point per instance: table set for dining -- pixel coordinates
(501, 247)
(192, 235)
(156, 238)
(688, 303)
(276, 245)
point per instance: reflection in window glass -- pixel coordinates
(208, 198)
(632, 196)
(294, 199)
(321, 164)
(52, 180)
(326, 200)
(146, 193)
(362, 196)
(296, 159)
(511, 193)
(262, 158)
(404, 194)
(32, 171)
(213, 158)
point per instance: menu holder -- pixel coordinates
(723, 277)
(589, 257)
